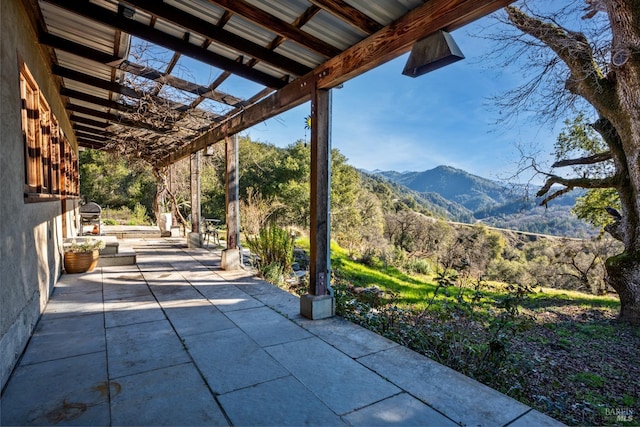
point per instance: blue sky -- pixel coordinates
(385, 120)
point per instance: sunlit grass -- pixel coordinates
(418, 290)
(546, 297)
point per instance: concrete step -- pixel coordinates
(112, 246)
(111, 243)
(132, 232)
(126, 256)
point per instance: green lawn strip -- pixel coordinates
(417, 290)
(547, 297)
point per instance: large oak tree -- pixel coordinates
(603, 69)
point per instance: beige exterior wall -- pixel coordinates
(30, 233)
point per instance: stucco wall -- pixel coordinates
(30, 233)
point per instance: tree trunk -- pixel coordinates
(623, 274)
(614, 91)
(623, 271)
(159, 197)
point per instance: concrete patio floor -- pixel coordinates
(175, 340)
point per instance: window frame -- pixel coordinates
(50, 162)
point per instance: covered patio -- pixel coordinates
(185, 337)
(119, 66)
(175, 340)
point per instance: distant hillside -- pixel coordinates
(465, 197)
(470, 191)
(393, 194)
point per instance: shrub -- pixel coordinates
(117, 216)
(84, 245)
(371, 259)
(125, 216)
(273, 273)
(273, 247)
(419, 266)
(138, 216)
(466, 328)
(508, 271)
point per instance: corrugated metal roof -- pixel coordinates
(72, 27)
(287, 10)
(250, 31)
(199, 8)
(77, 29)
(385, 11)
(262, 45)
(71, 61)
(342, 35)
(302, 55)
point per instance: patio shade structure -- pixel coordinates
(292, 51)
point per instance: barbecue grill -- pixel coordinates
(91, 213)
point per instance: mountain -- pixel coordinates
(392, 194)
(465, 197)
(470, 191)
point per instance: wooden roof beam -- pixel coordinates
(398, 37)
(172, 62)
(309, 13)
(102, 102)
(130, 26)
(300, 21)
(278, 26)
(114, 119)
(89, 132)
(90, 136)
(218, 34)
(90, 122)
(97, 133)
(184, 85)
(305, 17)
(87, 79)
(139, 70)
(90, 143)
(388, 43)
(349, 14)
(123, 90)
(78, 49)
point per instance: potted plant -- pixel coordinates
(82, 255)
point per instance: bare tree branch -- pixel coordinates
(589, 160)
(587, 79)
(555, 194)
(572, 183)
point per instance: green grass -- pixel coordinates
(548, 297)
(589, 379)
(418, 290)
(628, 400)
(410, 290)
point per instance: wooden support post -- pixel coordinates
(231, 255)
(194, 236)
(319, 302)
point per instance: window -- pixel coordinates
(30, 131)
(69, 169)
(55, 157)
(50, 162)
(45, 146)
